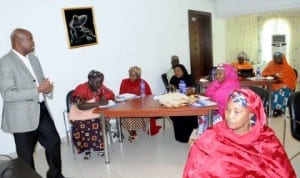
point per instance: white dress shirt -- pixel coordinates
(26, 61)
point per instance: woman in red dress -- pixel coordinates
(239, 146)
(132, 85)
(87, 134)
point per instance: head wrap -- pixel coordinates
(278, 54)
(174, 57)
(253, 102)
(242, 55)
(95, 74)
(219, 151)
(135, 70)
(182, 67)
(287, 74)
(230, 72)
(237, 97)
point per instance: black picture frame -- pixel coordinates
(80, 26)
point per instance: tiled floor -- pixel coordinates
(158, 157)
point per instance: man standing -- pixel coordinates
(170, 72)
(25, 114)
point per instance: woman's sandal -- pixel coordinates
(101, 153)
(87, 155)
(132, 138)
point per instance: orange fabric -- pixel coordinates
(285, 71)
(239, 66)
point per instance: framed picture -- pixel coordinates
(80, 26)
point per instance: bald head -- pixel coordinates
(22, 41)
(174, 60)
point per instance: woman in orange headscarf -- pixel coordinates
(285, 83)
(242, 62)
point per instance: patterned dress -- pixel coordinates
(87, 134)
(128, 86)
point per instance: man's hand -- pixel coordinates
(45, 87)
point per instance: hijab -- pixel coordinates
(220, 152)
(286, 72)
(135, 70)
(218, 91)
(189, 81)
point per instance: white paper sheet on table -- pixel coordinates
(126, 96)
(262, 78)
(201, 97)
(201, 103)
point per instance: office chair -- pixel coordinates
(264, 95)
(165, 81)
(65, 116)
(4, 158)
(294, 112)
(296, 73)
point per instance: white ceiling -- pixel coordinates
(227, 8)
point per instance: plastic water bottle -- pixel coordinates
(142, 88)
(182, 87)
(213, 74)
(258, 73)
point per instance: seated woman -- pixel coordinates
(87, 131)
(132, 85)
(218, 90)
(243, 67)
(183, 125)
(242, 62)
(285, 83)
(241, 145)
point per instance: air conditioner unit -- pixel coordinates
(278, 44)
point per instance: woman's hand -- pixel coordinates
(190, 91)
(103, 101)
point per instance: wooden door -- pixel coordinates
(200, 36)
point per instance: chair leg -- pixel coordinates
(119, 130)
(66, 127)
(149, 127)
(295, 156)
(74, 151)
(164, 123)
(284, 132)
(109, 134)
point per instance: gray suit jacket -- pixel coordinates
(21, 109)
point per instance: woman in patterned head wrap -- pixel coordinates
(286, 81)
(241, 145)
(132, 85)
(87, 132)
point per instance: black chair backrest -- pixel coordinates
(165, 80)
(296, 72)
(294, 109)
(68, 100)
(263, 93)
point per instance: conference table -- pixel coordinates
(147, 107)
(245, 82)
